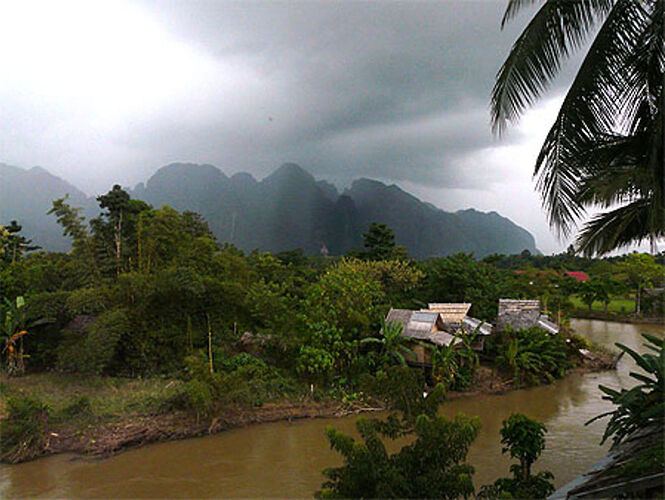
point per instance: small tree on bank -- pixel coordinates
(524, 439)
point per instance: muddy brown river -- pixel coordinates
(285, 459)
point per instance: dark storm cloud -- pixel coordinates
(391, 90)
(109, 91)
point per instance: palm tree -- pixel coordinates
(393, 344)
(605, 149)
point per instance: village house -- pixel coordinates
(437, 326)
(519, 314)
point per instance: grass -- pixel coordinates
(107, 396)
(618, 305)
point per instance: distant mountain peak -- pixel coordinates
(289, 171)
(288, 209)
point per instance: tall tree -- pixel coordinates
(605, 149)
(13, 244)
(379, 243)
(116, 202)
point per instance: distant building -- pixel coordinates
(437, 326)
(520, 314)
(578, 275)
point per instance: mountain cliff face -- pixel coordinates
(288, 209)
(27, 195)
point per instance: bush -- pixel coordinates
(643, 405)
(532, 354)
(250, 384)
(92, 350)
(578, 342)
(433, 465)
(22, 431)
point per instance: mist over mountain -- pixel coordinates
(287, 209)
(26, 196)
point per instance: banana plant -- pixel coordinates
(14, 328)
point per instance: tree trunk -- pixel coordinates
(118, 239)
(209, 344)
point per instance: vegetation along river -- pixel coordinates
(285, 459)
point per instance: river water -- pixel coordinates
(285, 459)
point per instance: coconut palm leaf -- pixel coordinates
(606, 145)
(559, 27)
(617, 228)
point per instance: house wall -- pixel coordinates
(423, 356)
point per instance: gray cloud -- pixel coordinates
(396, 91)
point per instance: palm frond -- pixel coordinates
(514, 6)
(618, 228)
(559, 27)
(589, 113)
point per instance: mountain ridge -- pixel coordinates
(286, 209)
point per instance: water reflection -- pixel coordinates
(285, 459)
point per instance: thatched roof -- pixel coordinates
(450, 312)
(523, 314)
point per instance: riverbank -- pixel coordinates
(101, 416)
(616, 318)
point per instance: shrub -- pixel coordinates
(533, 354)
(22, 431)
(92, 350)
(643, 405)
(432, 466)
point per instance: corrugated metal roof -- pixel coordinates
(547, 325)
(424, 317)
(443, 338)
(470, 324)
(419, 325)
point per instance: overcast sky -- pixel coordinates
(107, 92)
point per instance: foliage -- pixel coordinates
(524, 439)
(393, 346)
(93, 349)
(379, 243)
(640, 270)
(246, 382)
(14, 327)
(460, 278)
(401, 389)
(12, 244)
(344, 306)
(22, 430)
(532, 354)
(454, 365)
(432, 466)
(643, 405)
(606, 147)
